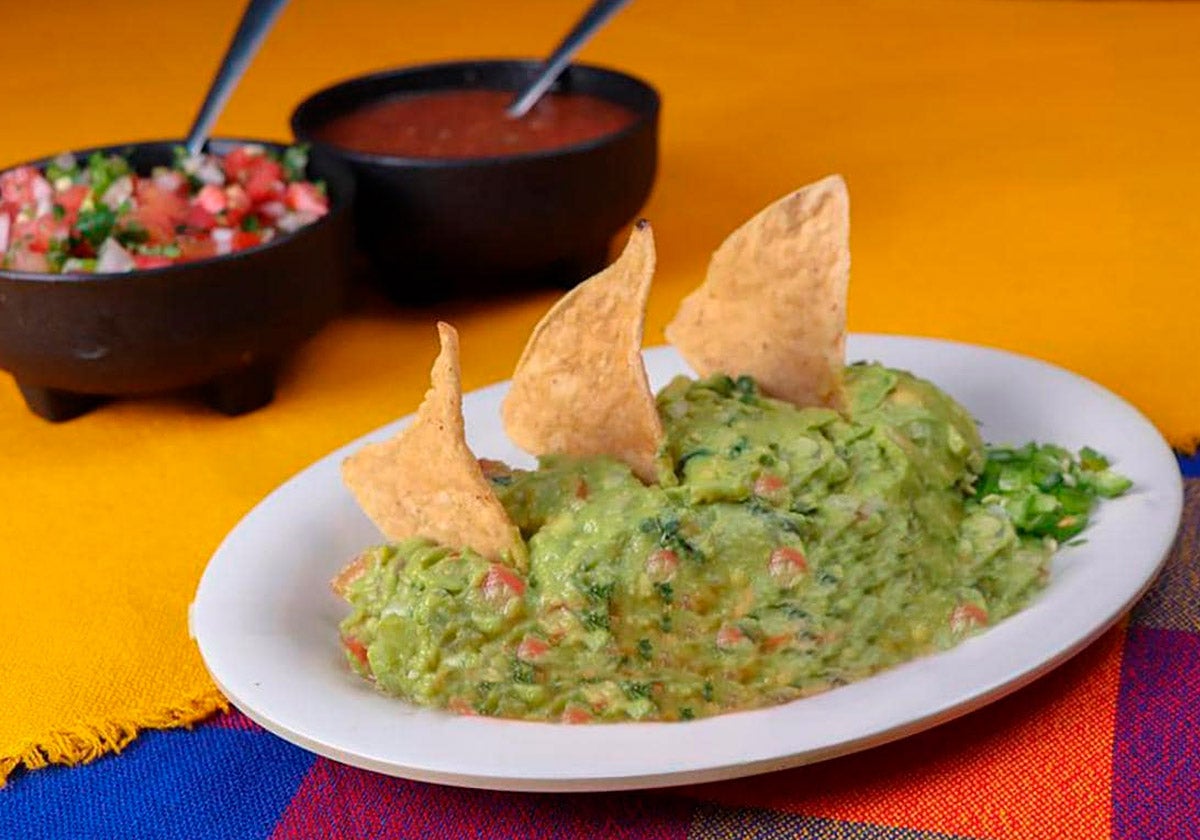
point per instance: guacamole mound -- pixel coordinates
(784, 552)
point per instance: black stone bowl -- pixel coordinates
(435, 228)
(222, 324)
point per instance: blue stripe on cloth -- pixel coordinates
(1190, 464)
(209, 782)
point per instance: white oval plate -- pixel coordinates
(266, 622)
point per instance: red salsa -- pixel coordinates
(472, 124)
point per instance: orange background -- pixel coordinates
(1022, 175)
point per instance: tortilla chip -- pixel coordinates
(774, 302)
(580, 387)
(424, 482)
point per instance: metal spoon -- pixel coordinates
(252, 29)
(594, 18)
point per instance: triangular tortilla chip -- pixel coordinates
(774, 302)
(580, 387)
(424, 482)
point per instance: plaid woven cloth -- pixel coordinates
(1107, 746)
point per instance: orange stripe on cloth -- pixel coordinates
(1037, 764)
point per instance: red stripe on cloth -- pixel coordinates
(1037, 764)
(233, 719)
(339, 801)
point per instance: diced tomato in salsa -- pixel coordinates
(39, 234)
(58, 219)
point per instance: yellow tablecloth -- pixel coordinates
(1022, 175)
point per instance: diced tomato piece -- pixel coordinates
(532, 649)
(241, 161)
(355, 569)
(243, 239)
(199, 219)
(195, 248)
(37, 234)
(151, 261)
(22, 259)
(967, 616)
(787, 563)
(729, 636)
(502, 584)
(21, 186)
(459, 706)
(306, 198)
(772, 643)
(356, 649)
(661, 565)
(237, 204)
(768, 484)
(159, 211)
(71, 199)
(211, 198)
(264, 186)
(576, 714)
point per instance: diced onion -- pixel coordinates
(223, 239)
(65, 161)
(167, 180)
(120, 191)
(273, 209)
(43, 195)
(74, 265)
(111, 257)
(5, 225)
(210, 172)
(291, 222)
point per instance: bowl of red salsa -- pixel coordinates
(455, 198)
(138, 269)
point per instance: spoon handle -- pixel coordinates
(593, 19)
(255, 24)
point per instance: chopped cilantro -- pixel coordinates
(746, 388)
(104, 170)
(295, 161)
(600, 592)
(95, 225)
(523, 672)
(666, 592)
(596, 620)
(636, 690)
(645, 649)
(131, 233)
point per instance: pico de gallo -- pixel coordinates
(96, 215)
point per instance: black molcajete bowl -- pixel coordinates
(222, 323)
(435, 228)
